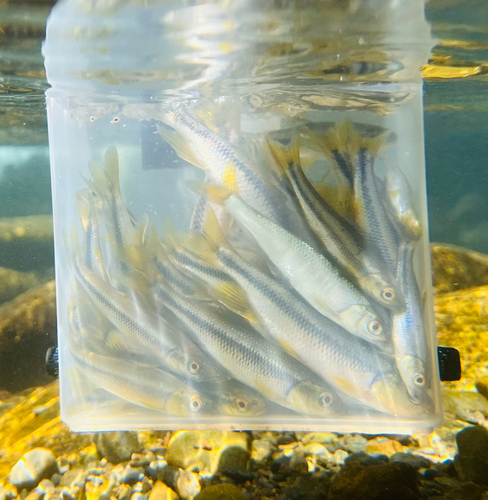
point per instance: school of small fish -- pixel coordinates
(287, 293)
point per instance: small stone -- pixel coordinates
(117, 447)
(98, 488)
(162, 492)
(472, 461)
(170, 476)
(88, 455)
(396, 481)
(132, 475)
(34, 495)
(137, 495)
(413, 460)
(209, 451)
(187, 485)
(223, 491)
(155, 468)
(35, 465)
(285, 438)
(8, 492)
(56, 479)
(123, 492)
(325, 438)
(306, 487)
(261, 451)
(143, 486)
(384, 446)
(466, 491)
(363, 458)
(45, 487)
(339, 457)
(353, 443)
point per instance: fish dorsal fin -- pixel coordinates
(182, 147)
(235, 299)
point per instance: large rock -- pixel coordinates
(227, 452)
(396, 481)
(27, 330)
(34, 466)
(222, 491)
(456, 268)
(472, 461)
(306, 487)
(162, 492)
(13, 283)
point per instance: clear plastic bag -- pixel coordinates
(240, 216)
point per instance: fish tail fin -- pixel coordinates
(374, 144)
(152, 244)
(112, 168)
(212, 230)
(343, 138)
(99, 182)
(213, 193)
(135, 255)
(285, 155)
(182, 147)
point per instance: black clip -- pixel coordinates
(52, 362)
(449, 364)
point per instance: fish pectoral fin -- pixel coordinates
(265, 390)
(116, 341)
(235, 298)
(288, 348)
(345, 385)
(323, 305)
(182, 147)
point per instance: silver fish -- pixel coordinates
(371, 217)
(338, 237)
(175, 350)
(141, 384)
(252, 359)
(408, 331)
(310, 273)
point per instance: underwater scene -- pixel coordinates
(251, 278)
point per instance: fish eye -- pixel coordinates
(195, 404)
(325, 400)
(375, 327)
(194, 367)
(388, 294)
(242, 405)
(418, 379)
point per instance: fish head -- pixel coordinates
(366, 324)
(188, 402)
(414, 375)
(240, 400)
(392, 397)
(194, 365)
(309, 398)
(383, 291)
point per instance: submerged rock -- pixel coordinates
(462, 322)
(27, 330)
(162, 492)
(209, 451)
(32, 227)
(13, 283)
(222, 491)
(34, 466)
(397, 481)
(117, 447)
(472, 460)
(456, 268)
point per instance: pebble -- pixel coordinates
(472, 460)
(155, 469)
(223, 491)
(353, 443)
(413, 460)
(261, 451)
(98, 488)
(117, 447)
(383, 446)
(339, 457)
(131, 475)
(162, 492)
(8, 492)
(124, 492)
(396, 481)
(35, 465)
(363, 458)
(209, 451)
(187, 484)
